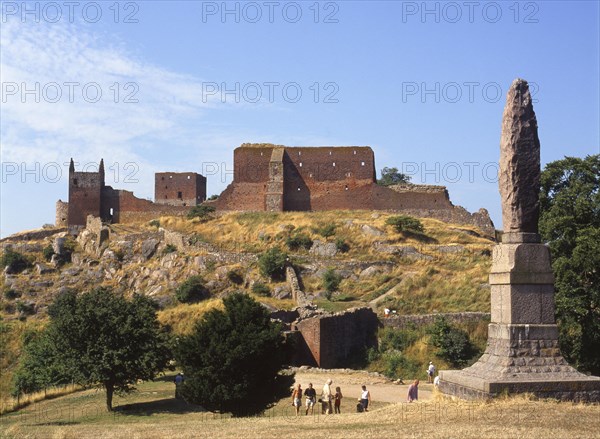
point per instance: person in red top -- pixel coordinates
(337, 399)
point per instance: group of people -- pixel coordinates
(331, 402)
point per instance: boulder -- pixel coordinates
(323, 249)
(58, 246)
(43, 269)
(149, 248)
(371, 231)
(282, 292)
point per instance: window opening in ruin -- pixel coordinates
(362, 163)
(189, 177)
(354, 152)
(170, 176)
(75, 181)
(111, 211)
(298, 188)
(346, 187)
(333, 163)
(179, 195)
(162, 178)
(300, 164)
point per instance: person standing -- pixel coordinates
(179, 379)
(297, 398)
(337, 400)
(311, 398)
(327, 397)
(413, 391)
(365, 398)
(430, 372)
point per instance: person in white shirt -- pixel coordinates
(365, 398)
(430, 372)
(327, 396)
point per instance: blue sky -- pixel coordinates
(423, 84)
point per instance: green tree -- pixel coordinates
(102, 338)
(14, 261)
(233, 358)
(570, 224)
(453, 343)
(272, 263)
(390, 176)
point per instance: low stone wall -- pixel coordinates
(34, 235)
(297, 294)
(402, 321)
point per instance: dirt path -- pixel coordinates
(381, 388)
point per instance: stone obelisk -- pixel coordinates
(522, 353)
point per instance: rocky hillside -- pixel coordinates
(443, 269)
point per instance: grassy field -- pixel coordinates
(152, 412)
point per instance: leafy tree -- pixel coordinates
(192, 290)
(453, 343)
(390, 176)
(331, 281)
(102, 338)
(233, 358)
(570, 224)
(201, 211)
(404, 223)
(272, 263)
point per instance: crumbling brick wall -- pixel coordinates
(339, 340)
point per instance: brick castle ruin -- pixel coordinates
(268, 178)
(89, 195)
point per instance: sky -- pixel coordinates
(153, 86)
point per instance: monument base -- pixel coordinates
(521, 359)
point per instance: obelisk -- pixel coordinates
(522, 353)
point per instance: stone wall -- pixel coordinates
(85, 196)
(402, 321)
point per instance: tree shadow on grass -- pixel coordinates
(421, 237)
(166, 405)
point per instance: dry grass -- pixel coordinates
(181, 318)
(11, 404)
(153, 413)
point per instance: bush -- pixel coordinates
(154, 223)
(48, 252)
(325, 231)
(299, 240)
(261, 289)
(26, 308)
(272, 263)
(453, 343)
(15, 261)
(398, 366)
(396, 339)
(169, 248)
(235, 277)
(192, 290)
(405, 224)
(341, 245)
(232, 359)
(331, 281)
(11, 294)
(203, 212)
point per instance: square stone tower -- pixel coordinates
(522, 353)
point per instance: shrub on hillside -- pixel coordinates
(341, 245)
(15, 261)
(11, 294)
(325, 230)
(331, 281)
(261, 289)
(48, 252)
(299, 240)
(405, 224)
(235, 277)
(398, 339)
(192, 290)
(272, 263)
(203, 212)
